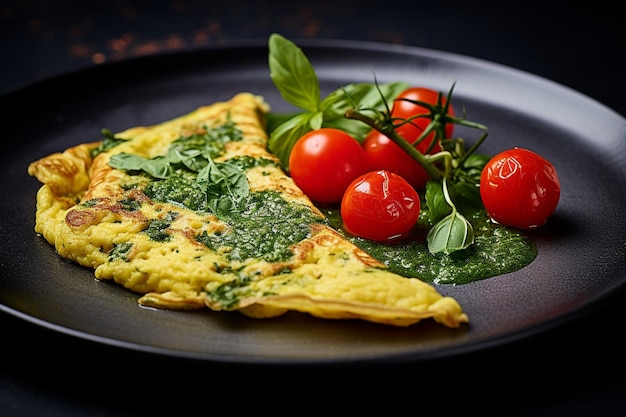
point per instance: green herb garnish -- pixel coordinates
(109, 142)
(223, 184)
(295, 79)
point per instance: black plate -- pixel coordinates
(582, 251)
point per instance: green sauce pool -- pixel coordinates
(496, 250)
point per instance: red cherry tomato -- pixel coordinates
(383, 153)
(404, 109)
(324, 162)
(519, 188)
(380, 206)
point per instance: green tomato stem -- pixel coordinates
(388, 130)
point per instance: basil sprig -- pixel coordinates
(225, 184)
(296, 80)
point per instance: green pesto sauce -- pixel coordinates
(496, 250)
(157, 229)
(181, 188)
(129, 204)
(211, 141)
(264, 226)
(245, 162)
(120, 251)
(229, 293)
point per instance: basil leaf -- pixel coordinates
(293, 74)
(177, 156)
(157, 167)
(354, 128)
(436, 203)
(273, 120)
(476, 162)
(285, 130)
(344, 98)
(283, 138)
(224, 184)
(109, 142)
(227, 185)
(467, 197)
(191, 158)
(363, 95)
(451, 234)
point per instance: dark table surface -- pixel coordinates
(576, 369)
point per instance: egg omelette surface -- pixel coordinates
(195, 212)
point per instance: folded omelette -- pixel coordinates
(195, 212)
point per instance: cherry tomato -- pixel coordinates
(381, 206)
(404, 109)
(324, 162)
(519, 188)
(383, 153)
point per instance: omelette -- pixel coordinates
(195, 212)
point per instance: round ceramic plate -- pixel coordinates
(582, 250)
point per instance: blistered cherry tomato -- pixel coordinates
(324, 162)
(519, 188)
(380, 206)
(383, 153)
